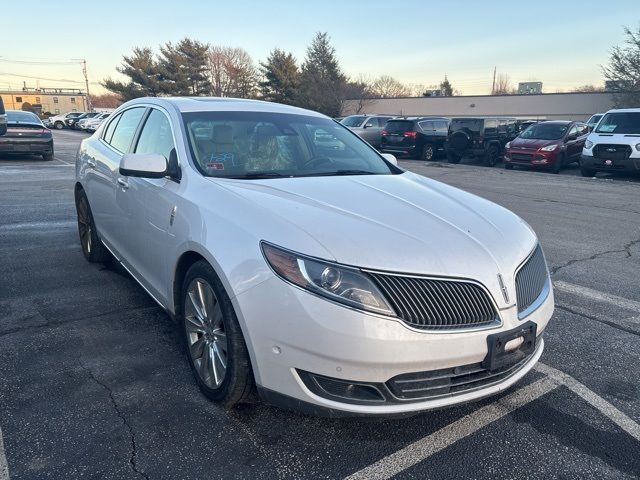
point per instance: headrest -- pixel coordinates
(267, 131)
(222, 134)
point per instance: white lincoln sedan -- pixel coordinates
(305, 267)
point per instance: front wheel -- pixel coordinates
(59, 125)
(557, 165)
(47, 156)
(587, 172)
(508, 166)
(214, 342)
(491, 156)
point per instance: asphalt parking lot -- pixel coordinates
(94, 382)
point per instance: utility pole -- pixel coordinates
(86, 79)
(493, 85)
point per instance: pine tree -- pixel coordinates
(144, 79)
(281, 77)
(446, 88)
(322, 82)
(183, 68)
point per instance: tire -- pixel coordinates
(214, 344)
(427, 153)
(508, 166)
(58, 125)
(491, 156)
(587, 172)
(92, 247)
(452, 157)
(47, 156)
(557, 166)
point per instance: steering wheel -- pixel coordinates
(315, 161)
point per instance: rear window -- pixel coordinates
(398, 126)
(22, 117)
(620, 122)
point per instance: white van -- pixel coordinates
(614, 145)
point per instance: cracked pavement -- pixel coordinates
(94, 382)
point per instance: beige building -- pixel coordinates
(53, 100)
(545, 106)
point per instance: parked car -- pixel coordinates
(60, 121)
(614, 145)
(549, 145)
(26, 135)
(47, 122)
(421, 138)
(3, 118)
(73, 121)
(323, 279)
(479, 137)
(92, 124)
(593, 121)
(367, 127)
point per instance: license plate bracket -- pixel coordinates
(497, 357)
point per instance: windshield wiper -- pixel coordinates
(258, 175)
(341, 172)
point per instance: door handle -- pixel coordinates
(123, 183)
(92, 163)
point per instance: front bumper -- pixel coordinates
(629, 165)
(531, 158)
(26, 145)
(289, 331)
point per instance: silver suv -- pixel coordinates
(367, 127)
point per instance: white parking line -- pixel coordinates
(597, 295)
(418, 451)
(60, 160)
(593, 399)
(4, 468)
(38, 225)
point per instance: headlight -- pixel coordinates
(342, 284)
(638, 146)
(588, 144)
(549, 148)
(508, 145)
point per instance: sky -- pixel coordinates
(560, 43)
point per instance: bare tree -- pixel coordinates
(623, 71)
(503, 85)
(388, 87)
(232, 72)
(359, 93)
(588, 89)
(106, 100)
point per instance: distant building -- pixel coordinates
(529, 88)
(52, 100)
(545, 106)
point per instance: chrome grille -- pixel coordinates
(531, 281)
(434, 304)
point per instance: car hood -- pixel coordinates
(399, 223)
(532, 144)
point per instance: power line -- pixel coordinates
(65, 80)
(33, 62)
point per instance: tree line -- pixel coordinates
(192, 68)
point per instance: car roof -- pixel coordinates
(624, 110)
(219, 104)
(559, 122)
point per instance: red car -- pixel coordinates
(548, 145)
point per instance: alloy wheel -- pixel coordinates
(206, 335)
(84, 225)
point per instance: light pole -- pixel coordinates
(86, 79)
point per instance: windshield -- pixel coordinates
(620, 122)
(545, 131)
(23, 117)
(594, 119)
(270, 145)
(353, 121)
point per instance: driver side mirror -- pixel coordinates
(390, 158)
(144, 165)
(368, 125)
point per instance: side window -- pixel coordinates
(108, 132)
(490, 127)
(383, 121)
(583, 129)
(156, 135)
(126, 128)
(573, 132)
(441, 127)
(427, 126)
